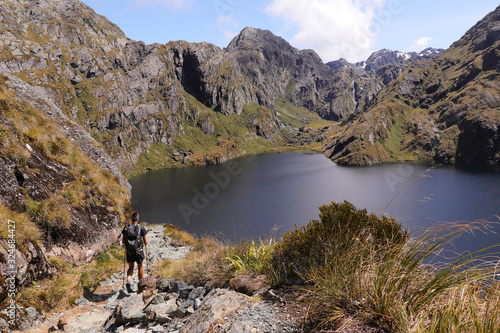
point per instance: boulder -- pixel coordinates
(218, 304)
(148, 283)
(182, 289)
(198, 292)
(163, 285)
(248, 285)
(131, 311)
(90, 321)
(163, 312)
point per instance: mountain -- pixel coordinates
(442, 110)
(384, 57)
(135, 99)
(299, 77)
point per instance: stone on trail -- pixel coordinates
(134, 330)
(87, 323)
(163, 312)
(217, 305)
(130, 311)
(248, 285)
(182, 289)
(147, 283)
(163, 285)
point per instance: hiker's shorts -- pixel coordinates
(138, 258)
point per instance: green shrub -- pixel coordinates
(341, 231)
(405, 287)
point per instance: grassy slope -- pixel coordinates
(234, 135)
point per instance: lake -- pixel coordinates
(246, 197)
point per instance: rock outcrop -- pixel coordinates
(131, 96)
(60, 190)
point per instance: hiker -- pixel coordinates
(134, 238)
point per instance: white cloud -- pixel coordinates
(173, 4)
(420, 44)
(228, 26)
(334, 29)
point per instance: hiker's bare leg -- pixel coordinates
(130, 271)
(140, 271)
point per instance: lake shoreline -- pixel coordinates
(247, 197)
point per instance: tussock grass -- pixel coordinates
(386, 279)
(206, 263)
(179, 236)
(52, 212)
(217, 262)
(60, 292)
(26, 230)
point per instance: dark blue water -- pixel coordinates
(248, 196)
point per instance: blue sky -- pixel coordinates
(350, 29)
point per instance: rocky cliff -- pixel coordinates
(442, 110)
(60, 193)
(137, 100)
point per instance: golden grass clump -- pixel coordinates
(205, 263)
(179, 236)
(25, 229)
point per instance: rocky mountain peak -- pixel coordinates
(430, 51)
(384, 57)
(253, 38)
(65, 22)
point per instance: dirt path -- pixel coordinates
(222, 310)
(89, 314)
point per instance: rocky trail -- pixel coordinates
(166, 305)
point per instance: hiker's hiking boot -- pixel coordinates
(129, 288)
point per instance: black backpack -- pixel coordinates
(133, 240)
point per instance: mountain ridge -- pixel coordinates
(435, 112)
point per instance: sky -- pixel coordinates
(349, 29)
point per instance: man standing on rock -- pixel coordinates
(134, 238)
